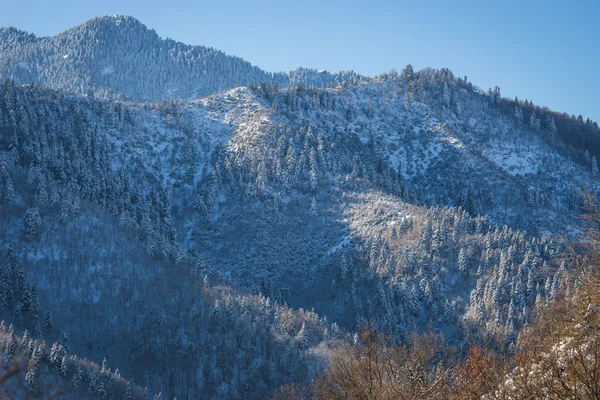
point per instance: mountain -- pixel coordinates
(221, 247)
(118, 56)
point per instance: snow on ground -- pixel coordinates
(109, 69)
(515, 161)
(247, 118)
(415, 157)
(339, 246)
(233, 118)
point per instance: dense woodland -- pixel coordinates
(236, 245)
(555, 356)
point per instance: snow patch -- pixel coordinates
(339, 246)
(107, 70)
(515, 162)
(454, 142)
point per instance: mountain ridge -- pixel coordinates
(225, 218)
(105, 55)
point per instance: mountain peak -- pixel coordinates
(112, 23)
(117, 20)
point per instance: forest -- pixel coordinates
(315, 235)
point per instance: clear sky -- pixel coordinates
(545, 51)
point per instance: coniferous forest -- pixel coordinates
(177, 223)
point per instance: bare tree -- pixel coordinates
(375, 368)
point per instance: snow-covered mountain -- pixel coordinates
(221, 246)
(118, 56)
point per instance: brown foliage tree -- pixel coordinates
(377, 369)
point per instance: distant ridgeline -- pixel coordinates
(120, 57)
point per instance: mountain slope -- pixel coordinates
(188, 227)
(119, 56)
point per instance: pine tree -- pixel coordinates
(314, 170)
(56, 355)
(497, 96)
(32, 224)
(64, 213)
(100, 390)
(350, 112)
(78, 378)
(518, 115)
(302, 338)
(551, 124)
(458, 108)
(408, 73)
(35, 304)
(129, 392)
(12, 344)
(64, 367)
(446, 95)
(343, 268)
(261, 178)
(290, 157)
(48, 322)
(534, 122)
(66, 339)
(31, 377)
(463, 262)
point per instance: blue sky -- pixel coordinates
(545, 51)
